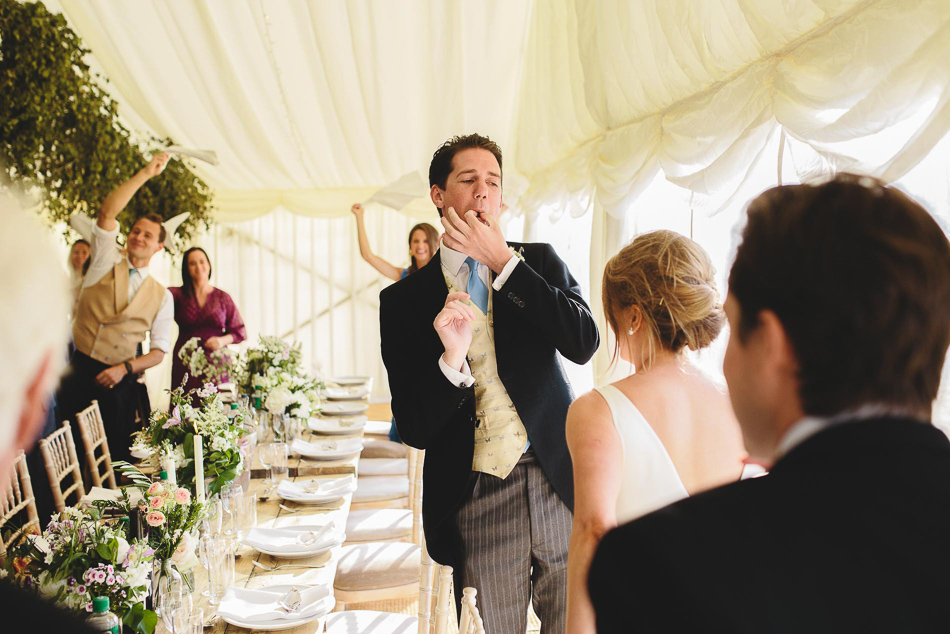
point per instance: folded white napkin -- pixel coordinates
(99, 493)
(294, 539)
(257, 606)
(315, 489)
(326, 447)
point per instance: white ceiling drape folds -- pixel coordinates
(312, 105)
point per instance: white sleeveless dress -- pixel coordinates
(649, 480)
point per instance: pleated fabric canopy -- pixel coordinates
(314, 104)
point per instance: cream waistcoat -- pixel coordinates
(500, 436)
(108, 327)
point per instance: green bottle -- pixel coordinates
(101, 619)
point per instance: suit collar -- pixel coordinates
(452, 259)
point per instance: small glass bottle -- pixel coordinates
(101, 619)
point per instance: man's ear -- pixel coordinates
(435, 193)
(36, 400)
(777, 344)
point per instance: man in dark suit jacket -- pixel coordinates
(839, 307)
(491, 521)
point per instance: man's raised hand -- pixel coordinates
(451, 324)
(478, 236)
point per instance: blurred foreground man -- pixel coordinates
(839, 309)
(34, 304)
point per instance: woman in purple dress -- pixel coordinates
(202, 311)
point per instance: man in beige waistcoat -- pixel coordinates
(119, 303)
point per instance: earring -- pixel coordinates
(630, 332)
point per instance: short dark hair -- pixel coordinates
(441, 165)
(153, 217)
(859, 276)
(188, 284)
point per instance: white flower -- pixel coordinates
(122, 551)
(185, 551)
(278, 399)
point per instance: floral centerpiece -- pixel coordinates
(172, 434)
(79, 557)
(275, 370)
(214, 367)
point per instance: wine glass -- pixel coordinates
(278, 461)
(246, 516)
(228, 495)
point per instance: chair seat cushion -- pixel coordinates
(377, 566)
(377, 448)
(381, 488)
(377, 428)
(370, 621)
(383, 467)
(378, 525)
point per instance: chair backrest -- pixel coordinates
(416, 462)
(59, 454)
(93, 434)
(434, 609)
(17, 497)
(470, 621)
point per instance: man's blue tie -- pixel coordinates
(476, 287)
(131, 271)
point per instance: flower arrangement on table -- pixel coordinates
(79, 557)
(214, 367)
(274, 369)
(172, 434)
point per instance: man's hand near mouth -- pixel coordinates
(477, 235)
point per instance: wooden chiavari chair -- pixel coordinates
(17, 498)
(93, 434)
(384, 570)
(59, 454)
(470, 621)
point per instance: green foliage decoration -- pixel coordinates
(60, 130)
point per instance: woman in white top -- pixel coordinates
(666, 431)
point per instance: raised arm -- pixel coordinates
(598, 467)
(117, 200)
(378, 263)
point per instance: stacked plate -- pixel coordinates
(261, 609)
(337, 424)
(340, 449)
(295, 542)
(344, 381)
(344, 408)
(317, 491)
(347, 392)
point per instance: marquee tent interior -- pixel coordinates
(615, 117)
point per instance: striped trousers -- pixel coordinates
(514, 538)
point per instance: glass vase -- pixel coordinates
(170, 590)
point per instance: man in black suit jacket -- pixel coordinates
(839, 307)
(536, 311)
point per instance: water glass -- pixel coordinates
(228, 495)
(188, 621)
(245, 517)
(278, 461)
(221, 568)
(214, 511)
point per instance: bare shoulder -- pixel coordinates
(589, 415)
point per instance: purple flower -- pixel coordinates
(71, 581)
(175, 419)
(81, 589)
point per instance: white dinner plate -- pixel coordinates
(319, 498)
(346, 393)
(351, 380)
(344, 408)
(275, 625)
(140, 454)
(305, 552)
(337, 425)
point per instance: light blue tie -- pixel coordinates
(476, 287)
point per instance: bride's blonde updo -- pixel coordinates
(671, 279)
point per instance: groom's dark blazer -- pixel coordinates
(538, 312)
(849, 532)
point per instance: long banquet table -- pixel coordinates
(270, 515)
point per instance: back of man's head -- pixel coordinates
(33, 326)
(858, 274)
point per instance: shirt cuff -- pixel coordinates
(462, 379)
(502, 277)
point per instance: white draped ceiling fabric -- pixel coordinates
(314, 104)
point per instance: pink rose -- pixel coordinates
(183, 496)
(156, 502)
(155, 518)
(155, 488)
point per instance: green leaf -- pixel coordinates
(140, 620)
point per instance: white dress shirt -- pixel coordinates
(103, 255)
(808, 426)
(456, 269)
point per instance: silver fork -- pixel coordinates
(290, 510)
(279, 566)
